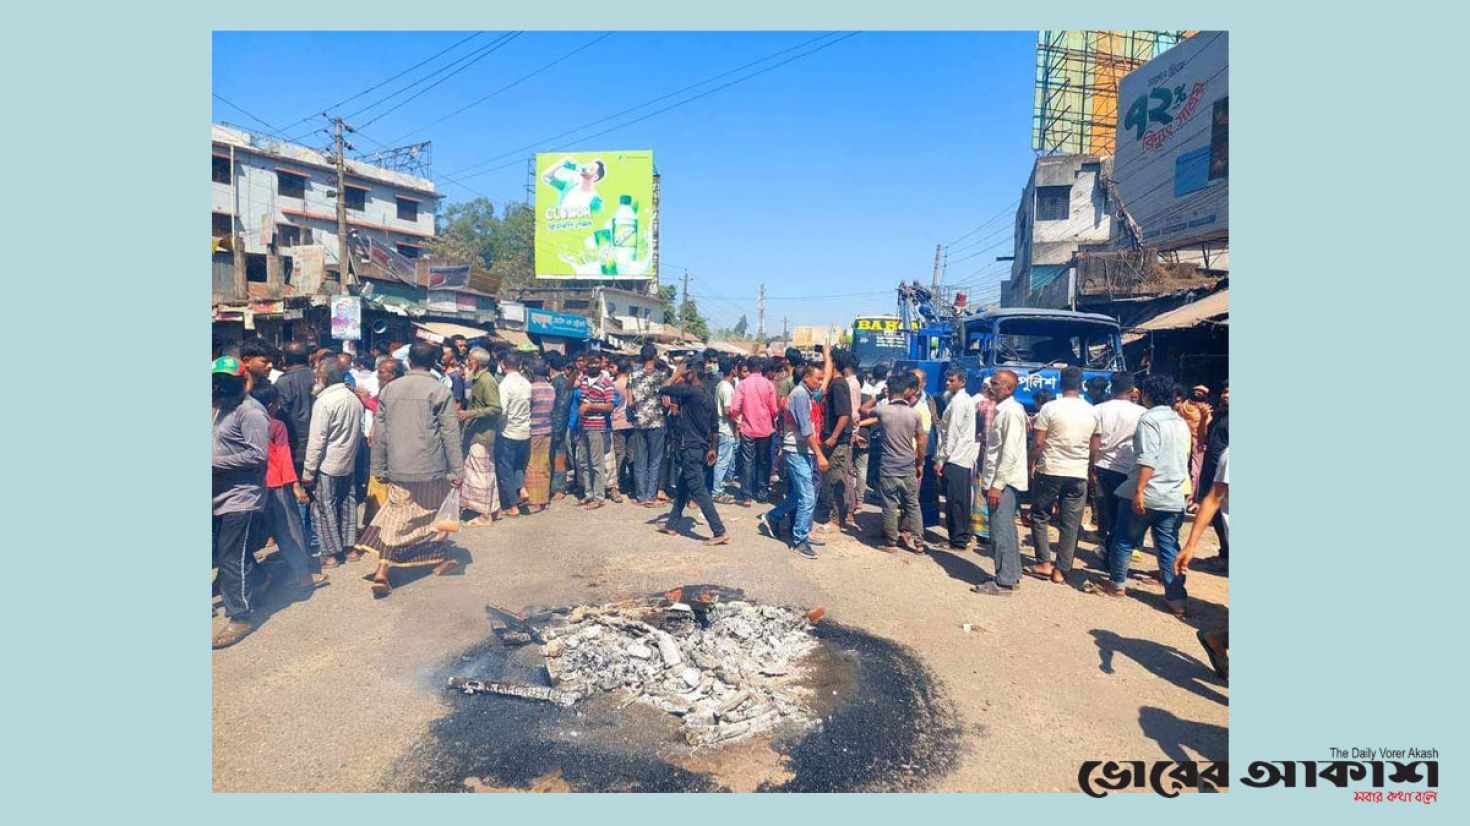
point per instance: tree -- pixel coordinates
(694, 323)
(741, 326)
(471, 233)
(687, 312)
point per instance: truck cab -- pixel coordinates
(1036, 344)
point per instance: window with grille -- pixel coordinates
(1053, 203)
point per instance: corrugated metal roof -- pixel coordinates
(446, 329)
(1190, 315)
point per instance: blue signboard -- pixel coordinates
(549, 323)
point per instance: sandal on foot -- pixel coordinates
(1221, 666)
(445, 567)
(722, 539)
(381, 588)
(1032, 571)
(232, 633)
(1107, 589)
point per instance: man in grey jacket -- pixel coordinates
(417, 454)
(331, 453)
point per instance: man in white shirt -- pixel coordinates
(1064, 429)
(513, 445)
(1005, 479)
(1112, 450)
(728, 441)
(954, 461)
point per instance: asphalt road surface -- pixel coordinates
(342, 692)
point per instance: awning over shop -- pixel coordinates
(514, 338)
(440, 331)
(727, 347)
(1190, 315)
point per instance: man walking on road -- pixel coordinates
(1064, 429)
(954, 461)
(802, 450)
(694, 441)
(417, 454)
(331, 458)
(901, 462)
(1004, 480)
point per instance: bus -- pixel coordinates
(879, 339)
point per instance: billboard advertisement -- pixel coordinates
(1077, 74)
(594, 215)
(1172, 166)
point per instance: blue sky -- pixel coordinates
(829, 178)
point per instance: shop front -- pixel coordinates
(558, 332)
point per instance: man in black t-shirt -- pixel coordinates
(837, 423)
(694, 441)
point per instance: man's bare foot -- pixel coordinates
(445, 567)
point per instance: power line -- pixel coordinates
(477, 52)
(987, 223)
(494, 46)
(589, 44)
(247, 112)
(377, 86)
(464, 172)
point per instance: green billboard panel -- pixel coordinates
(594, 215)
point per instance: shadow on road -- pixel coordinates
(1161, 660)
(961, 566)
(400, 577)
(1173, 733)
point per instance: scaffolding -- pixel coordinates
(413, 159)
(1077, 75)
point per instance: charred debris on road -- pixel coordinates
(727, 667)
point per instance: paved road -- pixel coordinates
(330, 694)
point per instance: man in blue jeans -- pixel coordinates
(1152, 497)
(802, 450)
(646, 414)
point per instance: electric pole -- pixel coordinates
(684, 306)
(760, 314)
(784, 321)
(340, 163)
(938, 249)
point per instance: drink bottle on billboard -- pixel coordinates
(625, 232)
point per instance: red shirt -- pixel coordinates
(279, 470)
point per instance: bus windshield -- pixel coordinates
(1051, 342)
(878, 339)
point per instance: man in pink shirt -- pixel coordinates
(754, 409)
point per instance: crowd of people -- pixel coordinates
(430, 438)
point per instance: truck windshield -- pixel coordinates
(1054, 343)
